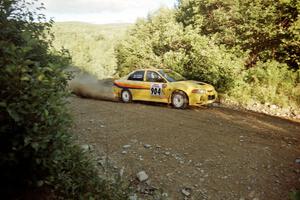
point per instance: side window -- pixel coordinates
(137, 76)
(154, 77)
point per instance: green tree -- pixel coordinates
(161, 42)
(265, 29)
(220, 42)
(148, 41)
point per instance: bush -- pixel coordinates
(33, 118)
(35, 147)
(75, 175)
(270, 82)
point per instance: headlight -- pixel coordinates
(199, 91)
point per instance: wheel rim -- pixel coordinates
(178, 100)
(125, 96)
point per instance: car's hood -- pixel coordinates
(196, 84)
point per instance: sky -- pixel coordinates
(102, 11)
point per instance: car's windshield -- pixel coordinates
(171, 76)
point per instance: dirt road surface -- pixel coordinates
(212, 153)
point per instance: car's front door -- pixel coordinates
(157, 85)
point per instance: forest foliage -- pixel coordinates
(91, 46)
(248, 49)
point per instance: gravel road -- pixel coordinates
(204, 153)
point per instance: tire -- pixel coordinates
(179, 100)
(126, 96)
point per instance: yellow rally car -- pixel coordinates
(165, 86)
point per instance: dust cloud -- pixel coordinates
(88, 86)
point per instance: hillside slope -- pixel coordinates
(91, 46)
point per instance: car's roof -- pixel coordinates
(153, 69)
(144, 69)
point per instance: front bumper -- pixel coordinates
(203, 99)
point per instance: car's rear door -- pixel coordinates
(136, 85)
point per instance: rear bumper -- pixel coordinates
(116, 92)
(203, 99)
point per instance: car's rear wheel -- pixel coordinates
(179, 100)
(126, 96)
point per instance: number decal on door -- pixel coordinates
(156, 90)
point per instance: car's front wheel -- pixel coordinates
(179, 100)
(126, 96)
